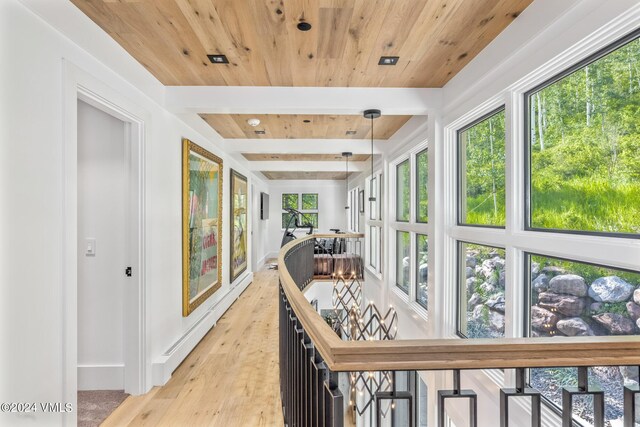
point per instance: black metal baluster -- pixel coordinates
(630, 413)
(520, 391)
(457, 393)
(582, 389)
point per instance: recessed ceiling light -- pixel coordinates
(388, 60)
(218, 59)
(307, 121)
(260, 132)
(253, 122)
(304, 26)
(351, 132)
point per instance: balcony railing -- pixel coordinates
(312, 355)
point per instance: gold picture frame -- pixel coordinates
(202, 173)
(239, 219)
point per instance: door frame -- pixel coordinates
(79, 85)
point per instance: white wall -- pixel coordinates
(34, 57)
(331, 203)
(102, 215)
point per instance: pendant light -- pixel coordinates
(346, 155)
(372, 114)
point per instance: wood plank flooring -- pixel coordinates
(230, 379)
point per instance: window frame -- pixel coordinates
(409, 213)
(417, 189)
(299, 206)
(461, 172)
(597, 55)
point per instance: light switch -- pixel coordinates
(90, 247)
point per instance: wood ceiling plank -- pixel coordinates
(435, 39)
(303, 157)
(292, 126)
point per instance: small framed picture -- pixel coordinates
(361, 201)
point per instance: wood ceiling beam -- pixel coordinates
(285, 166)
(301, 100)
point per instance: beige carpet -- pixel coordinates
(95, 406)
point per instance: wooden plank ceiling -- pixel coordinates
(293, 126)
(307, 175)
(434, 39)
(304, 157)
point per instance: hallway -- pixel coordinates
(230, 378)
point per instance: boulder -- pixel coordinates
(535, 268)
(569, 305)
(498, 262)
(553, 270)
(568, 284)
(542, 319)
(496, 321)
(493, 280)
(471, 284)
(423, 273)
(574, 326)
(478, 313)
(636, 296)
(540, 283)
(475, 300)
(487, 288)
(472, 261)
(596, 306)
(638, 323)
(502, 279)
(470, 272)
(610, 289)
(615, 323)
(488, 267)
(496, 303)
(634, 310)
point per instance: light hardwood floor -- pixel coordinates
(230, 379)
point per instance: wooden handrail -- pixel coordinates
(437, 354)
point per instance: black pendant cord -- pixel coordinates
(371, 197)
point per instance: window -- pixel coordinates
(583, 143)
(481, 164)
(403, 260)
(569, 298)
(306, 203)
(422, 182)
(374, 223)
(422, 254)
(403, 201)
(481, 287)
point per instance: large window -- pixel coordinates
(571, 298)
(584, 146)
(481, 290)
(410, 227)
(306, 203)
(481, 163)
(403, 260)
(403, 185)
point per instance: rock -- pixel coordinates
(478, 313)
(496, 321)
(535, 268)
(554, 270)
(542, 319)
(470, 272)
(569, 305)
(488, 267)
(493, 280)
(568, 284)
(423, 273)
(596, 306)
(615, 323)
(574, 326)
(629, 374)
(537, 334)
(475, 300)
(471, 284)
(471, 261)
(487, 288)
(634, 310)
(496, 303)
(636, 296)
(540, 283)
(405, 261)
(610, 289)
(502, 279)
(498, 262)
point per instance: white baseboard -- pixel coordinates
(163, 366)
(101, 377)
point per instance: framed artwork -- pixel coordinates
(201, 225)
(361, 201)
(238, 224)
